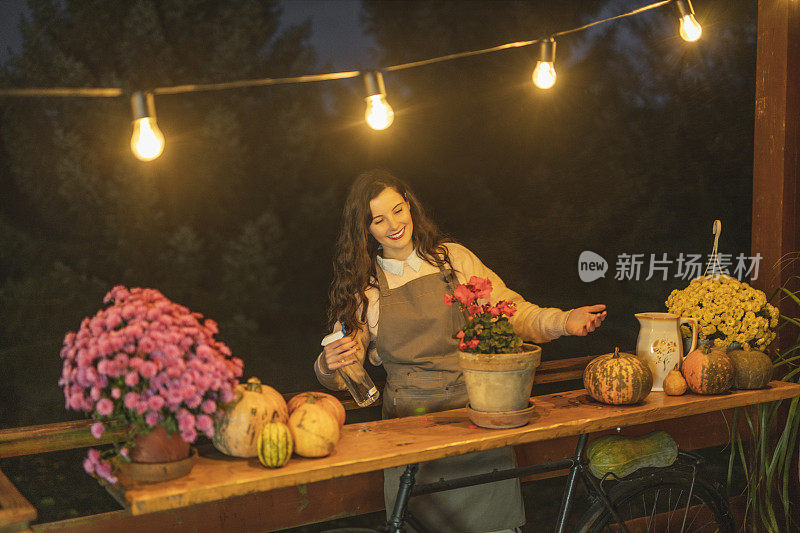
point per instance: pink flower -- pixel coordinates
(209, 407)
(185, 420)
(131, 379)
(131, 399)
(473, 343)
(148, 369)
(116, 393)
(482, 287)
(155, 402)
(97, 430)
(205, 424)
(123, 452)
(151, 418)
(88, 465)
(507, 308)
(103, 469)
(462, 346)
(464, 295)
(460, 334)
(104, 407)
(93, 455)
(189, 434)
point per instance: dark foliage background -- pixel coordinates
(642, 143)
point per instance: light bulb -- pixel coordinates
(379, 114)
(544, 75)
(147, 141)
(690, 28)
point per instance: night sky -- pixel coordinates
(336, 31)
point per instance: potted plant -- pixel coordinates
(151, 370)
(498, 367)
(728, 311)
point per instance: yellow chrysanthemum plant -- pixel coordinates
(727, 311)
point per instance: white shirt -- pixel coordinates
(531, 322)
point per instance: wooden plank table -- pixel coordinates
(376, 445)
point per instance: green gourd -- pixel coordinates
(274, 444)
(623, 455)
(753, 369)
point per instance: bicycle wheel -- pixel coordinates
(660, 503)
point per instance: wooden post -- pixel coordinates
(776, 165)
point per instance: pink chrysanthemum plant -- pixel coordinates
(144, 361)
(487, 328)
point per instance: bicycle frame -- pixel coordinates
(576, 464)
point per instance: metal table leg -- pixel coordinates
(395, 523)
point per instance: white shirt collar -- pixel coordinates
(395, 266)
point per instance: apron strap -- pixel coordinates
(382, 283)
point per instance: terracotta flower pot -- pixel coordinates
(159, 447)
(158, 457)
(500, 382)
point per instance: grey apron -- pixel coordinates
(415, 341)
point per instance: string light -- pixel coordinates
(690, 29)
(379, 114)
(147, 141)
(544, 75)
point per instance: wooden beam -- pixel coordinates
(75, 434)
(15, 511)
(776, 161)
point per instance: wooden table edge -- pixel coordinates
(486, 439)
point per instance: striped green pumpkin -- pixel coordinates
(618, 378)
(274, 445)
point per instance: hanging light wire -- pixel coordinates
(111, 92)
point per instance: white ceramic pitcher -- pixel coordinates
(660, 343)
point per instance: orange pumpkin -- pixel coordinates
(708, 371)
(236, 431)
(327, 401)
(314, 430)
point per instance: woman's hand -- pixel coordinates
(341, 353)
(583, 320)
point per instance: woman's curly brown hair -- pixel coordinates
(354, 259)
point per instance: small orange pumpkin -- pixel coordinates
(327, 401)
(674, 384)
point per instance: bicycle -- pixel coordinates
(672, 498)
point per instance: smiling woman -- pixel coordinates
(391, 224)
(392, 269)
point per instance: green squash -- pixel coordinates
(274, 444)
(752, 369)
(623, 455)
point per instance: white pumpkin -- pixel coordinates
(236, 431)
